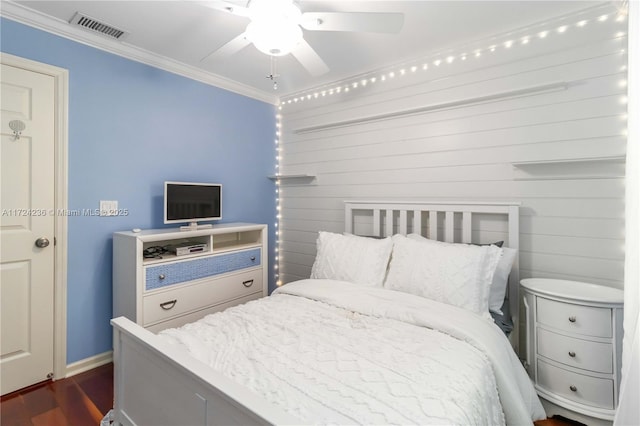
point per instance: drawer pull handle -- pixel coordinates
(573, 388)
(253, 258)
(169, 305)
(161, 277)
(572, 354)
(247, 283)
(572, 319)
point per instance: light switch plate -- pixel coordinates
(108, 208)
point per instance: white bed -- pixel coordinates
(328, 351)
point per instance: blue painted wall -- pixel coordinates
(131, 127)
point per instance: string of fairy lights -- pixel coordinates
(424, 66)
(277, 222)
(438, 60)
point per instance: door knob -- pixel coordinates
(42, 242)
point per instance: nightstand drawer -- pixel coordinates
(585, 320)
(190, 297)
(576, 387)
(593, 356)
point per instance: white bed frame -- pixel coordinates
(156, 384)
(455, 218)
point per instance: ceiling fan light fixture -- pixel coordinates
(274, 28)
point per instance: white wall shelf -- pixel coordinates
(294, 178)
(573, 168)
(542, 88)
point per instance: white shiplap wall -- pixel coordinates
(572, 215)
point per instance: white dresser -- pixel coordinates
(574, 344)
(227, 267)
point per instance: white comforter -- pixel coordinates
(331, 352)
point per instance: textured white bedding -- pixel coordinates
(331, 352)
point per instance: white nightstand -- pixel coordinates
(574, 344)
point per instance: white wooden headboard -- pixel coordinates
(429, 218)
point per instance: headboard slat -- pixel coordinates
(417, 222)
(433, 225)
(466, 227)
(402, 225)
(448, 226)
(388, 228)
(376, 223)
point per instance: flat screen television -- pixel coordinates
(192, 202)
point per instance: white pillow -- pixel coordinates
(498, 288)
(351, 258)
(456, 274)
(500, 279)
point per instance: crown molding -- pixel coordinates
(24, 15)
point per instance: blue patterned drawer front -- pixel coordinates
(164, 275)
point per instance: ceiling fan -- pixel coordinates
(275, 28)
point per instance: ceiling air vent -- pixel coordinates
(94, 25)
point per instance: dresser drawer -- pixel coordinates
(167, 274)
(196, 315)
(576, 387)
(593, 356)
(585, 320)
(163, 305)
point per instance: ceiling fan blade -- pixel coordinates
(309, 59)
(226, 6)
(372, 22)
(228, 49)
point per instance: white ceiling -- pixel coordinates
(183, 32)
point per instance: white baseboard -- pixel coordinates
(89, 363)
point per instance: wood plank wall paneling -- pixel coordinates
(572, 225)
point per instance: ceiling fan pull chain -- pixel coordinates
(273, 74)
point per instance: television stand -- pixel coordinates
(193, 226)
(171, 289)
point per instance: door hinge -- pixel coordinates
(55, 241)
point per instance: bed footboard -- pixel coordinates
(156, 384)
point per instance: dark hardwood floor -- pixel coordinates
(80, 400)
(84, 399)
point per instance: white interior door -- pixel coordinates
(27, 220)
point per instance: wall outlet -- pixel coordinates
(108, 208)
